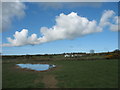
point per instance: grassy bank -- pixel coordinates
(69, 74)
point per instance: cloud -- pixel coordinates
(105, 20)
(107, 14)
(21, 38)
(68, 26)
(77, 26)
(10, 10)
(116, 25)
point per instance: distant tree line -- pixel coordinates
(113, 54)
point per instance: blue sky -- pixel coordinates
(39, 15)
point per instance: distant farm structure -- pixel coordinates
(92, 51)
(74, 55)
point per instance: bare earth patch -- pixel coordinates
(50, 81)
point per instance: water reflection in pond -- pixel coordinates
(36, 67)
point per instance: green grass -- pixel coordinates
(14, 78)
(87, 74)
(69, 74)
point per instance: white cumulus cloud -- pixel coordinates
(21, 38)
(68, 26)
(105, 20)
(116, 25)
(10, 10)
(107, 14)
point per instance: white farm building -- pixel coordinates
(73, 55)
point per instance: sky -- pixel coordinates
(47, 28)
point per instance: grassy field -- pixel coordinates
(67, 74)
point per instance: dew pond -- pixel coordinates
(36, 67)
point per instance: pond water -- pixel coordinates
(36, 67)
